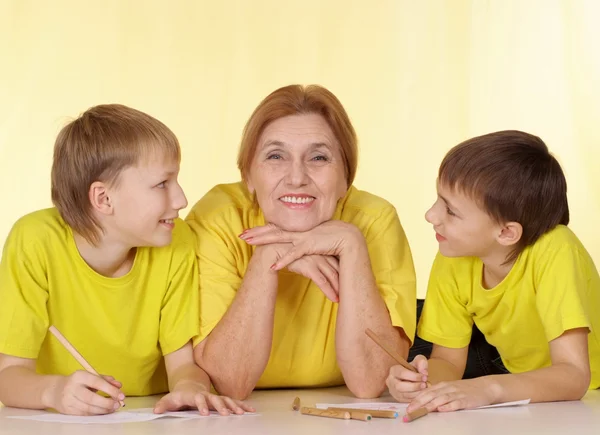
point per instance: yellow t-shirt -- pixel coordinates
(552, 287)
(303, 350)
(121, 326)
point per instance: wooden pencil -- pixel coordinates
(325, 413)
(71, 349)
(360, 415)
(296, 404)
(391, 352)
(373, 412)
(412, 416)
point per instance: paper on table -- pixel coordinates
(134, 415)
(394, 406)
(501, 405)
(114, 418)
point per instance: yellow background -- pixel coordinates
(416, 77)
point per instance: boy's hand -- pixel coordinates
(76, 394)
(454, 395)
(194, 395)
(403, 384)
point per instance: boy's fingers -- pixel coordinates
(218, 405)
(232, 405)
(101, 384)
(94, 403)
(403, 374)
(201, 404)
(421, 364)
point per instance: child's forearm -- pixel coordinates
(555, 383)
(22, 387)
(189, 373)
(440, 370)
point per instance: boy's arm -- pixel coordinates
(566, 379)
(22, 387)
(189, 386)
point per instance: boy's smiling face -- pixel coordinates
(463, 228)
(146, 199)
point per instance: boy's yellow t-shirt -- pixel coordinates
(121, 326)
(303, 350)
(552, 287)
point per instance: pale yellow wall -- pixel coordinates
(415, 76)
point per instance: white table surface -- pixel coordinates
(276, 417)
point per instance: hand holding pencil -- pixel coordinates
(76, 394)
(404, 384)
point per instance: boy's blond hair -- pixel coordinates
(98, 146)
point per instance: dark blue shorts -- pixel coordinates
(483, 358)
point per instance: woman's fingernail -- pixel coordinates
(247, 239)
(273, 266)
(121, 396)
(117, 405)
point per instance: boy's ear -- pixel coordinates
(98, 195)
(510, 234)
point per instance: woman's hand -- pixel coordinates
(323, 270)
(332, 238)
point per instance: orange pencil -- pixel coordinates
(325, 413)
(80, 359)
(417, 413)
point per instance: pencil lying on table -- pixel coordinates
(296, 404)
(80, 359)
(372, 412)
(325, 413)
(417, 413)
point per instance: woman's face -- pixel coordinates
(297, 172)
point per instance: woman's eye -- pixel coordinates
(450, 212)
(162, 185)
(320, 158)
(274, 157)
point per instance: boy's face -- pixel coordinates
(462, 228)
(146, 200)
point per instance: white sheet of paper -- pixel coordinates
(393, 406)
(131, 416)
(501, 405)
(114, 418)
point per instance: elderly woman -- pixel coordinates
(295, 262)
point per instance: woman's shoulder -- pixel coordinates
(360, 201)
(223, 198)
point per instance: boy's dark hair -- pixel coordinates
(98, 146)
(514, 178)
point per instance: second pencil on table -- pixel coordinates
(296, 404)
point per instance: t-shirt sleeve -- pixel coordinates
(23, 297)
(445, 319)
(219, 278)
(393, 269)
(562, 277)
(179, 311)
